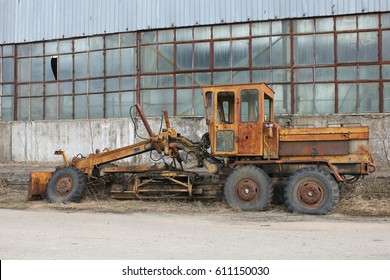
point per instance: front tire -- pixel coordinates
(248, 188)
(68, 184)
(311, 191)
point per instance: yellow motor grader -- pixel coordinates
(243, 150)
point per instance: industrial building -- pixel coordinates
(70, 70)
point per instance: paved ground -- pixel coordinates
(51, 234)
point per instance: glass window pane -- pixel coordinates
(261, 52)
(222, 78)
(23, 90)
(249, 107)
(346, 23)
(368, 46)
(36, 107)
(347, 47)
(184, 56)
(202, 33)
(37, 49)
(324, 49)
(112, 41)
(347, 98)
(149, 81)
(282, 99)
(80, 45)
(23, 108)
(304, 50)
(65, 67)
(369, 72)
(386, 97)
(184, 80)
(127, 100)
(304, 99)
(166, 58)
(148, 37)
(284, 75)
(128, 61)
(165, 36)
(222, 31)
(184, 102)
(261, 29)
(112, 62)
(385, 20)
(240, 53)
(304, 26)
(37, 69)
(65, 107)
(8, 50)
(128, 40)
(80, 87)
(51, 68)
(202, 79)
(240, 30)
(95, 43)
(164, 81)
(241, 77)
(368, 97)
(51, 48)
(199, 106)
(303, 75)
(324, 24)
(262, 76)
(386, 71)
(202, 55)
(324, 74)
(386, 45)
(65, 88)
(24, 70)
(51, 89)
(36, 90)
(80, 107)
(96, 86)
(368, 21)
(280, 27)
(96, 106)
(51, 108)
(8, 70)
(96, 64)
(7, 108)
(184, 34)
(280, 54)
(24, 50)
(112, 105)
(8, 90)
(128, 83)
(324, 99)
(112, 84)
(80, 65)
(347, 73)
(65, 46)
(155, 101)
(148, 59)
(222, 54)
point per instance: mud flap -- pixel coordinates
(37, 185)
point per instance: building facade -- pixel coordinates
(94, 59)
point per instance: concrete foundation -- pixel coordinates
(36, 141)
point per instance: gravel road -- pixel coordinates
(51, 234)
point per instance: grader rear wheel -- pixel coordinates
(311, 191)
(248, 188)
(68, 184)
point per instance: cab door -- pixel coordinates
(250, 122)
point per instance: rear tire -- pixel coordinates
(311, 191)
(68, 184)
(248, 188)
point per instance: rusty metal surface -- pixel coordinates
(310, 193)
(325, 133)
(314, 148)
(37, 184)
(247, 191)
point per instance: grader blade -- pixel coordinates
(37, 185)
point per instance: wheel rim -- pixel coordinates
(64, 186)
(310, 193)
(247, 190)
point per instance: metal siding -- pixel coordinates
(28, 20)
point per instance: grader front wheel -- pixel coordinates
(311, 191)
(248, 188)
(68, 184)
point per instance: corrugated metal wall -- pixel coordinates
(35, 20)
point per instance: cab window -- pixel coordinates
(249, 105)
(225, 107)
